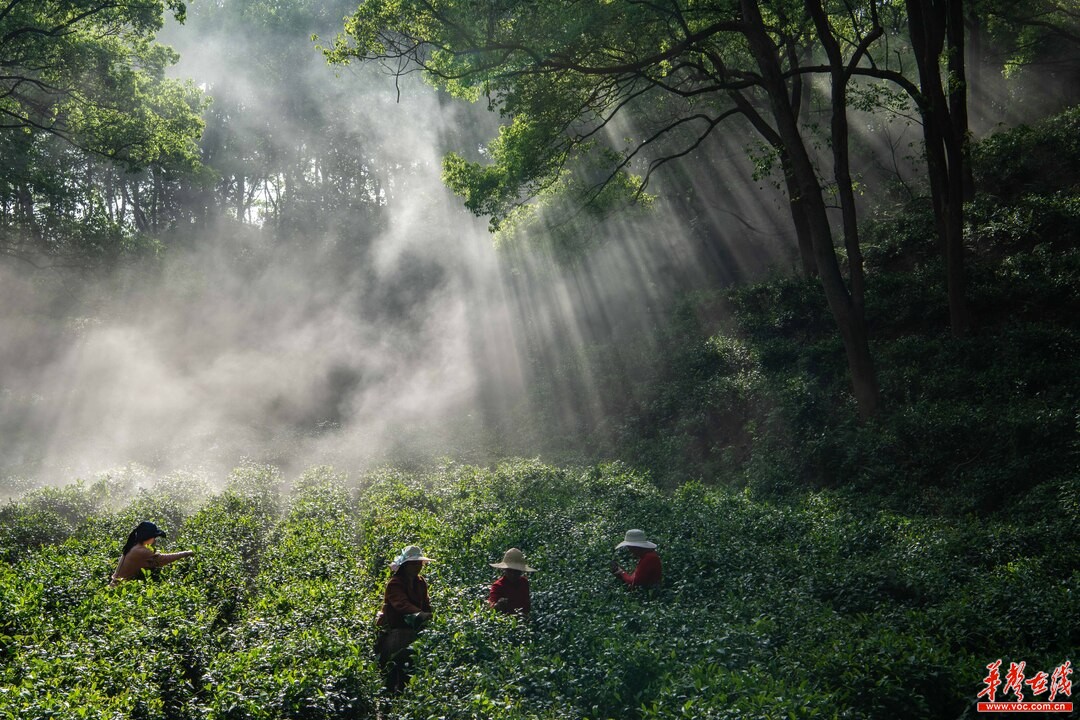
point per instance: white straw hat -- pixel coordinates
(636, 538)
(513, 559)
(411, 553)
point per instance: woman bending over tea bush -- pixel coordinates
(648, 573)
(406, 609)
(139, 554)
(510, 593)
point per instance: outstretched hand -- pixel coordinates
(615, 569)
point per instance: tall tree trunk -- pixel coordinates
(802, 224)
(110, 194)
(847, 313)
(945, 136)
(796, 205)
(800, 104)
(136, 208)
(157, 206)
(240, 198)
(26, 201)
(839, 135)
(89, 193)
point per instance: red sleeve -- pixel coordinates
(163, 559)
(526, 601)
(496, 592)
(149, 558)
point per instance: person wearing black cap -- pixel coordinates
(139, 554)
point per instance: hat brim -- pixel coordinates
(415, 559)
(505, 566)
(643, 544)
(148, 531)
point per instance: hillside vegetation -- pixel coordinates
(818, 609)
(750, 387)
(815, 567)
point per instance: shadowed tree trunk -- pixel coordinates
(240, 197)
(796, 204)
(846, 306)
(936, 28)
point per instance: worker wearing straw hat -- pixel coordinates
(510, 593)
(406, 609)
(648, 572)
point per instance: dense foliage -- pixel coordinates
(88, 123)
(820, 608)
(747, 387)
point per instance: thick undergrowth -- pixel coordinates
(825, 607)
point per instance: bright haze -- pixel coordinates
(404, 339)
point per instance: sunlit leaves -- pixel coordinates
(1033, 32)
(92, 74)
(84, 95)
(558, 74)
(820, 608)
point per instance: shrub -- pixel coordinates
(824, 605)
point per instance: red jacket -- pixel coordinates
(402, 598)
(647, 573)
(515, 590)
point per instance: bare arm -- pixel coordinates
(158, 560)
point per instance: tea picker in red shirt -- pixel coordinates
(648, 573)
(405, 610)
(510, 593)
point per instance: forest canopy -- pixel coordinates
(563, 78)
(85, 102)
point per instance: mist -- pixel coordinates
(373, 320)
(401, 337)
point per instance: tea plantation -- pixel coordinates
(818, 607)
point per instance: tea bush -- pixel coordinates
(825, 606)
